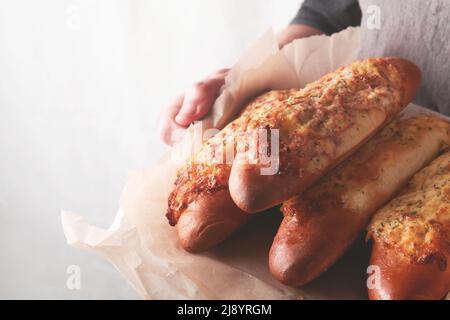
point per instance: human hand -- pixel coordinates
(191, 106)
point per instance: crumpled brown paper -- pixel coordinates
(144, 248)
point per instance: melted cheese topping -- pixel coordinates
(310, 120)
(350, 186)
(417, 222)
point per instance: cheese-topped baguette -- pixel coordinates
(319, 126)
(200, 204)
(411, 238)
(320, 224)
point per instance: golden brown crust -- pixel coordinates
(208, 221)
(208, 170)
(193, 181)
(401, 279)
(410, 77)
(317, 130)
(320, 125)
(254, 192)
(200, 203)
(414, 228)
(321, 224)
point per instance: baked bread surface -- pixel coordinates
(321, 223)
(320, 125)
(411, 237)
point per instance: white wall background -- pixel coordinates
(82, 83)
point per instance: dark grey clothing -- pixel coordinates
(418, 30)
(329, 16)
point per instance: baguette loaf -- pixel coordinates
(200, 204)
(320, 125)
(320, 224)
(411, 238)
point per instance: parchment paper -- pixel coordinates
(144, 248)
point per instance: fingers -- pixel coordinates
(199, 100)
(192, 106)
(169, 130)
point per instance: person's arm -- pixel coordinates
(314, 17)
